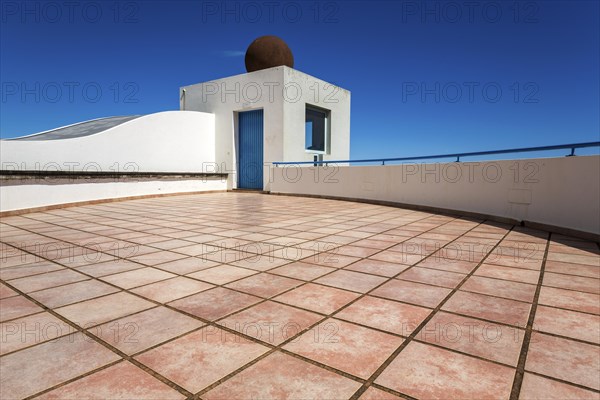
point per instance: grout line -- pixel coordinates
(520, 372)
(393, 356)
(78, 329)
(418, 233)
(116, 350)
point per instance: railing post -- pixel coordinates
(572, 152)
(382, 162)
(457, 158)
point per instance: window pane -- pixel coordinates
(308, 129)
(315, 130)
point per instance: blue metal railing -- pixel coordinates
(571, 146)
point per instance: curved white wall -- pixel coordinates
(170, 141)
(35, 196)
(562, 192)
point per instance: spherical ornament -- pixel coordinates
(267, 52)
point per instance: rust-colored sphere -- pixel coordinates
(267, 52)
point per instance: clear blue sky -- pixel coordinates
(426, 77)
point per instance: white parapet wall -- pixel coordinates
(165, 143)
(561, 192)
(38, 196)
(170, 141)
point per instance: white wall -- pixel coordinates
(171, 141)
(21, 197)
(282, 93)
(563, 192)
(319, 93)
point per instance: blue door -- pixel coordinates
(250, 160)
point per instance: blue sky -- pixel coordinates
(426, 77)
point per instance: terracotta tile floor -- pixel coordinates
(252, 296)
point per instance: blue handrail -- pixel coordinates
(571, 146)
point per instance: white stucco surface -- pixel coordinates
(563, 192)
(283, 94)
(170, 141)
(20, 197)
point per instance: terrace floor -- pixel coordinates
(252, 296)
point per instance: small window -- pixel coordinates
(315, 129)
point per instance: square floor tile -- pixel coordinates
(123, 381)
(509, 273)
(564, 359)
(501, 288)
(41, 367)
(6, 292)
(578, 301)
(72, 293)
(300, 270)
(103, 309)
(19, 257)
(138, 277)
(539, 388)
(201, 358)
(194, 249)
(387, 315)
(590, 271)
(21, 271)
(375, 267)
(590, 259)
(432, 277)
(159, 257)
(567, 323)
(109, 268)
(356, 251)
(448, 264)
(373, 393)
(398, 257)
(17, 306)
(31, 330)
(140, 331)
(578, 283)
(347, 347)
(224, 256)
(351, 280)
(490, 308)
(188, 265)
(170, 244)
(222, 274)
(428, 372)
(419, 246)
(171, 289)
(263, 262)
(265, 285)
(519, 261)
(412, 292)
(48, 280)
(487, 340)
(374, 244)
(279, 376)
(319, 298)
(214, 303)
(88, 257)
(270, 322)
(330, 259)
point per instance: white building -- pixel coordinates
(237, 125)
(226, 135)
(275, 114)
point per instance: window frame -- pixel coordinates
(326, 139)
